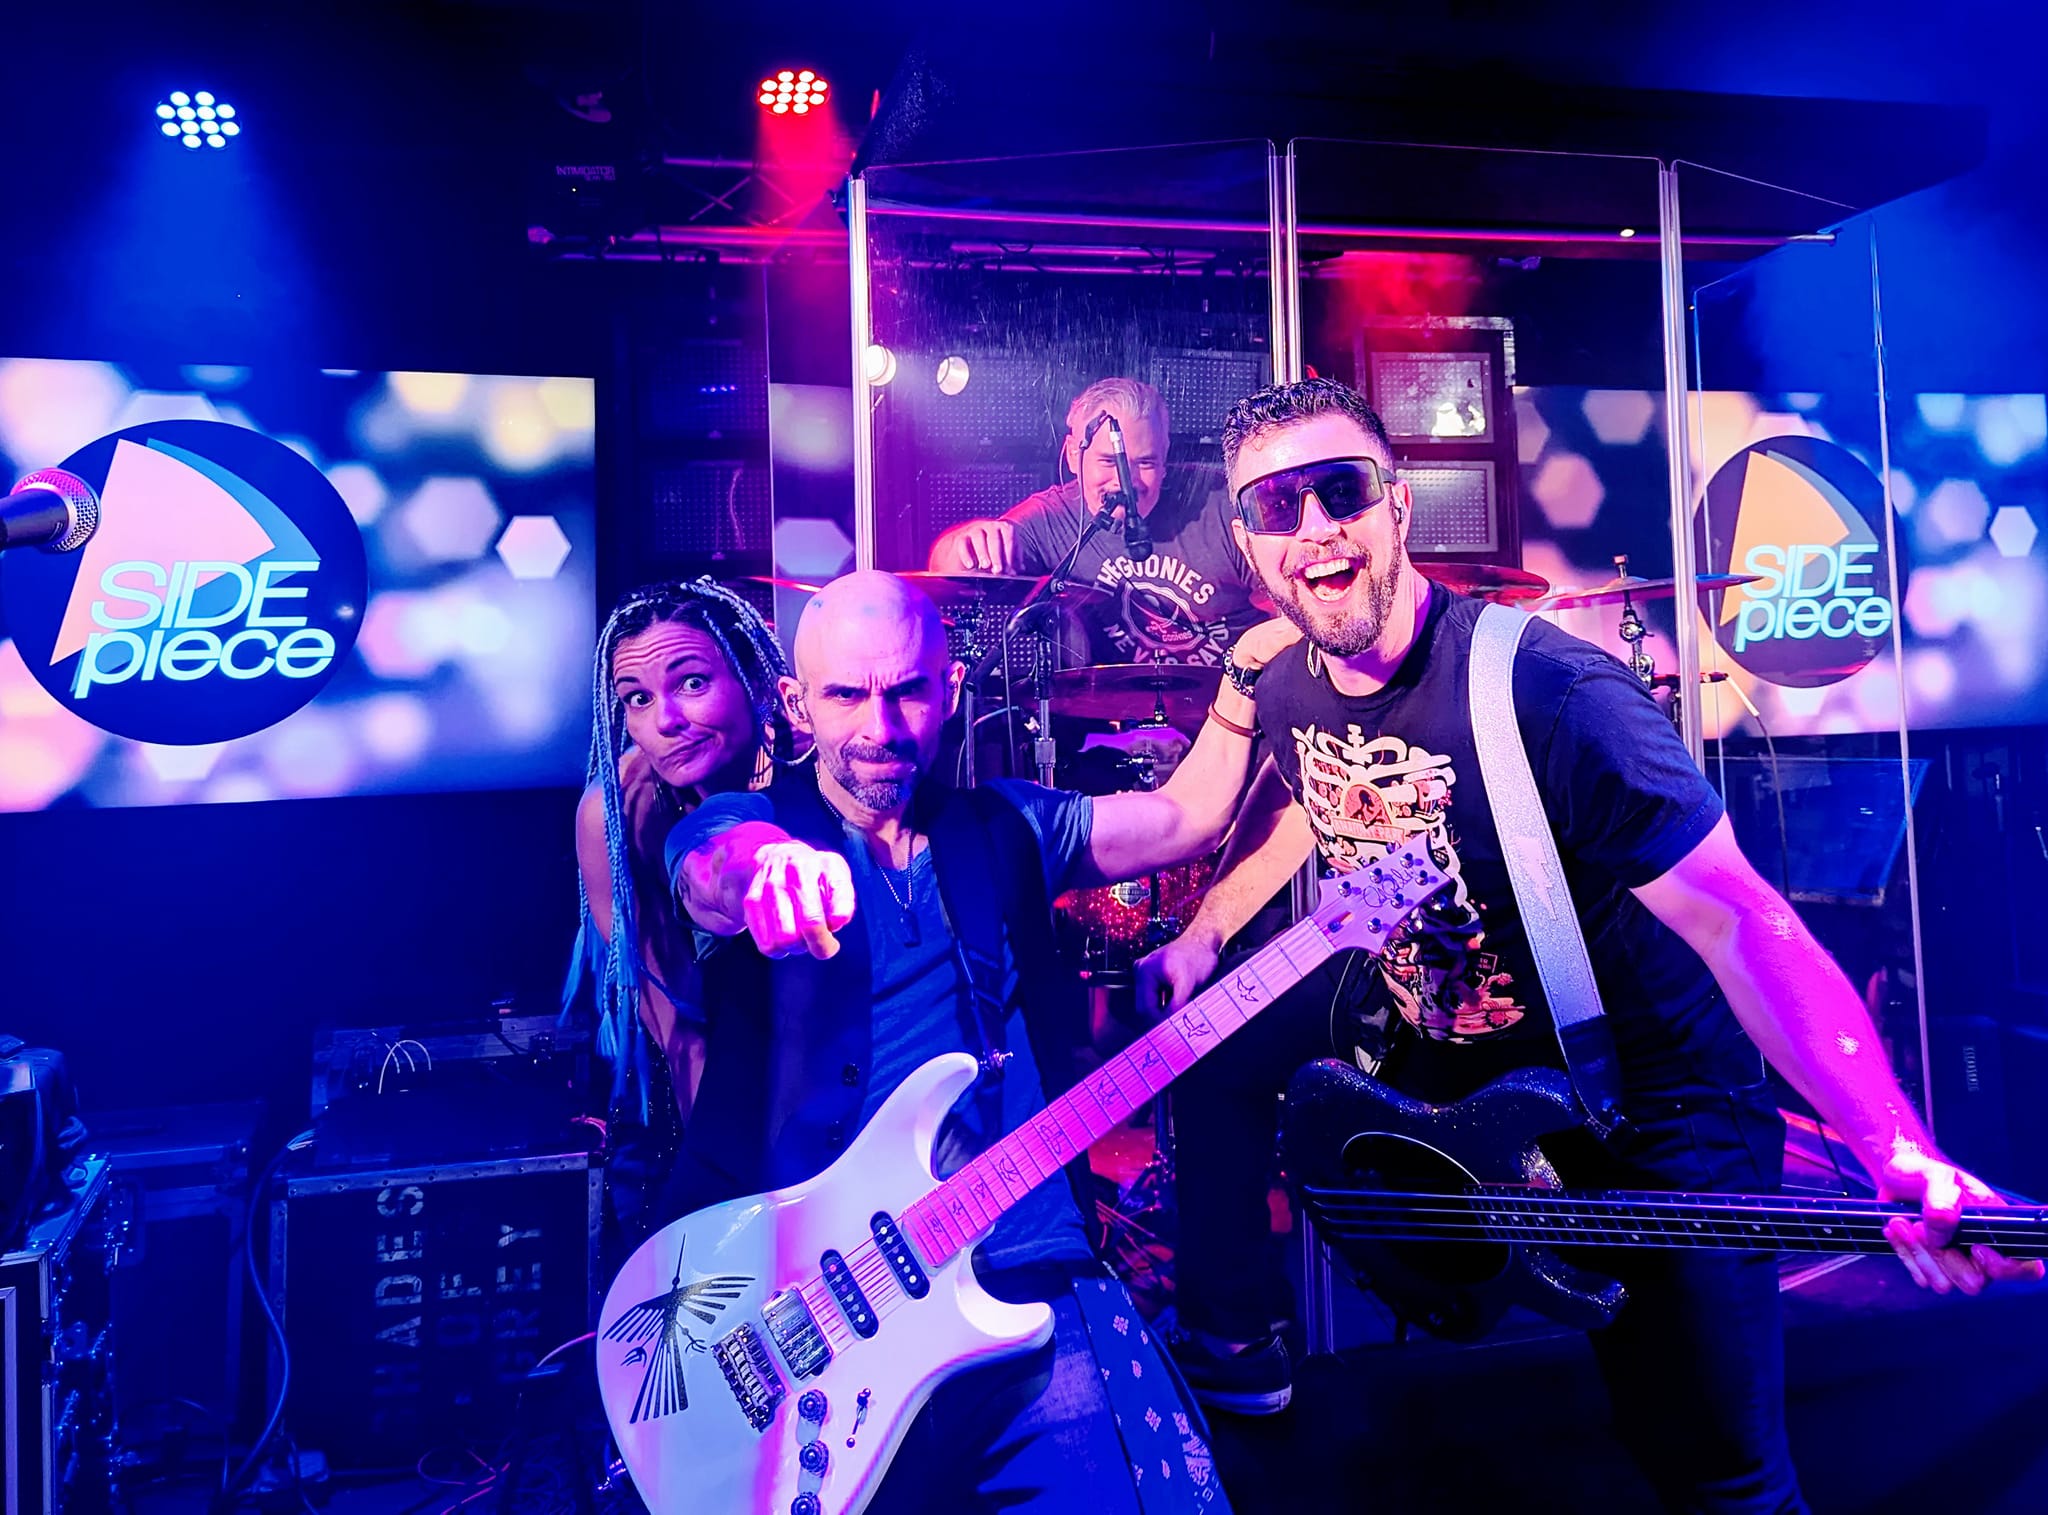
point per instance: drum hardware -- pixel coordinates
(1626, 587)
(1632, 630)
(954, 592)
(1158, 694)
(1484, 581)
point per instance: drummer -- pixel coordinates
(1182, 601)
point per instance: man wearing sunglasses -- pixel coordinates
(1700, 964)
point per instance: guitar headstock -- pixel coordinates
(1366, 906)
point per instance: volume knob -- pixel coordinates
(814, 1456)
(811, 1406)
(806, 1504)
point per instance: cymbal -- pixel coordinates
(1485, 581)
(951, 591)
(1135, 691)
(1633, 588)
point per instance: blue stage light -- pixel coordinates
(196, 118)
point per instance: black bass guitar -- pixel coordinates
(1450, 1213)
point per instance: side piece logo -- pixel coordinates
(1806, 518)
(223, 586)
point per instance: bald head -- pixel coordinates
(868, 616)
(874, 684)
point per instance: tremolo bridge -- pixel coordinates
(750, 1374)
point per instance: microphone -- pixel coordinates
(1137, 535)
(50, 509)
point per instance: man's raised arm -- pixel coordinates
(976, 547)
(1187, 816)
(750, 875)
(1804, 1016)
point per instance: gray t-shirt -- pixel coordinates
(1186, 603)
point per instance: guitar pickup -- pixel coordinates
(846, 1290)
(750, 1373)
(910, 1274)
(796, 1333)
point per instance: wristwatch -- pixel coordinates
(1241, 678)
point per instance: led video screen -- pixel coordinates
(300, 584)
(1843, 537)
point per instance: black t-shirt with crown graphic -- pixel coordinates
(1625, 803)
(1186, 603)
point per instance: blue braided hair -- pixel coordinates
(756, 659)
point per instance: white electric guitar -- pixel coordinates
(767, 1355)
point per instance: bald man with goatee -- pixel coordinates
(877, 920)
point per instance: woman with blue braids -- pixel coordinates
(684, 707)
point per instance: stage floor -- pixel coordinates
(1899, 1402)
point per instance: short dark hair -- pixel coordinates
(1279, 405)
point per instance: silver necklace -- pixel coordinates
(911, 934)
(906, 916)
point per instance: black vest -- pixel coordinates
(789, 1043)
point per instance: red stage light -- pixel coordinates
(793, 92)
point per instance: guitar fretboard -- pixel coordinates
(1730, 1222)
(962, 1208)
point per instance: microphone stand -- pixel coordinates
(1137, 534)
(1044, 597)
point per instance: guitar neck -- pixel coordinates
(962, 1208)
(1742, 1223)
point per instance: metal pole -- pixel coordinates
(1318, 1325)
(863, 399)
(1891, 548)
(1283, 259)
(1684, 565)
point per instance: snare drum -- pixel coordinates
(1119, 923)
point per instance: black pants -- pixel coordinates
(1229, 1275)
(1694, 1364)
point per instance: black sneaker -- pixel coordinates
(1256, 1381)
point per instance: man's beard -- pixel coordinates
(1343, 631)
(879, 795)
